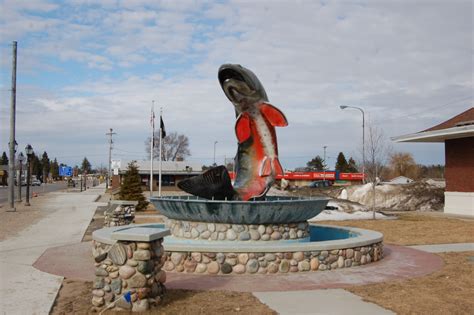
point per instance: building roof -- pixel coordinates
(459, 126)
(168, 167)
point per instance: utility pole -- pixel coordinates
(11, 163)
(324, 163)
(110, 134)
(215, 142)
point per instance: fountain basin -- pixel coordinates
(328, 248)
(271, 210)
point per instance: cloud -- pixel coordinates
(409, 65)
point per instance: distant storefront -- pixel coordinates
(457, 134)
(172, 173)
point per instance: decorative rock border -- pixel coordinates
(128, 275)
(119, 212)
(271, 263)
(237, 232)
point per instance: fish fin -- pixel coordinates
(212, 184)
(277, 166)
(266, 167)
(242, 127)
(273, 115)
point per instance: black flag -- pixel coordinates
(162, 127)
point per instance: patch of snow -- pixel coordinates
(335, 215)
(343, 194)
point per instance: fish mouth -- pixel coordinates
(240, 85)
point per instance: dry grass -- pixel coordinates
(448, 291)
(75, 298)
(13, 223)
(142, 220)
(415, 228)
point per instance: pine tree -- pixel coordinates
(86, 166)
(55, 168)
(341, 163)
(4, 159)
(351, 166)
(36, 166)
(46, 165)
(131, 188)
(316, 164)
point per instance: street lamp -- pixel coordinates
(29, 153)
(215, 142)
(363, 137)
(21, 158)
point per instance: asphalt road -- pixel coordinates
(39, 189)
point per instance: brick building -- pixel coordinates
(457, 134)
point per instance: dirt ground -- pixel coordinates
(448, 291)
(415, 228)
(75, 298)
(14, 222)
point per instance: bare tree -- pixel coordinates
(377, 150)
(403, 164)
(175, 147)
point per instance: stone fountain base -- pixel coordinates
(238, 232)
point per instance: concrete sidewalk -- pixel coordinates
(24, 289)
(330, 301)
(443, 248)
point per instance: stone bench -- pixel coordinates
(119, 212)
(128, 263)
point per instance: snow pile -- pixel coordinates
(335, 215)
(346, 205)
(414, 196)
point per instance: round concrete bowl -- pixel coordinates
(323, 237)
(271, 210)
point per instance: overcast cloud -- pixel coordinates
(87, 66)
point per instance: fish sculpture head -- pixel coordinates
(241, 86)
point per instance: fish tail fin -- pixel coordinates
(212, 184)
(277, 167)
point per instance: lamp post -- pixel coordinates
(215, 142)
(21, 158)
(363, 137)
(29, 154)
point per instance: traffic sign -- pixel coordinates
(65, 171)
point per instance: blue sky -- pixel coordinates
(85, 66)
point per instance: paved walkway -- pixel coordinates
(24, 289)
(443, 248)
(330, 301)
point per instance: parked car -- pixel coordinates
(35, 182)
(320, 183)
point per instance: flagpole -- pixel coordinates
(160, 165)
(152, 146)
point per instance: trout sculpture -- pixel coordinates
(256, 162)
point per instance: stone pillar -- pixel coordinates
(119, 216)
(128, 275)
